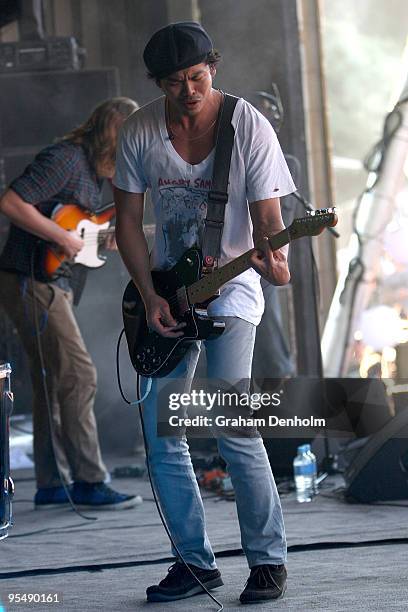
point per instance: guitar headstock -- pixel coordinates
(313, 224)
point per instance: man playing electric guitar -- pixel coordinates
(70, 171)
(167, 147)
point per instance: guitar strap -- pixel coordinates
(218, 195)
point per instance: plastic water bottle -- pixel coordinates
(315, 485)
(305, 472)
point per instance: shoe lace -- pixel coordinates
(107, 491)
(262, 576)
(174, 571)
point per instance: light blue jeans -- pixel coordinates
(263, 539)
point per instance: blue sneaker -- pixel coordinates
(91, 495)
(50, 497)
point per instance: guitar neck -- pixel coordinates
(206, 287)
(103, 234)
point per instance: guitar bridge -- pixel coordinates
(208, 327)
(201, 312)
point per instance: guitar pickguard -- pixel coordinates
(88, 232)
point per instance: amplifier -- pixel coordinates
(50, 53)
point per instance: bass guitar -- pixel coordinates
(93, 228)
(188, 294)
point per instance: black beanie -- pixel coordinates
(175, 47)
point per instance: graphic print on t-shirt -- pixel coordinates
(183, 210)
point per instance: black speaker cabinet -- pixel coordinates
(37, 107)
(379, 472)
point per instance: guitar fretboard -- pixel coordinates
(208, 285)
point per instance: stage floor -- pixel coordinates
(341, 556)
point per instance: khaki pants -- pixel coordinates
(70, 380)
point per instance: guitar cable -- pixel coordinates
(139, 402)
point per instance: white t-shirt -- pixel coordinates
(146, 159)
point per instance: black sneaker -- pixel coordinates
(265, 582)
(179, 583)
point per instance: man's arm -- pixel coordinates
(133, 248)
(267, 221)
(27, 217)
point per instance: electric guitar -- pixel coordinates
(189, 294)
(92, 228)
